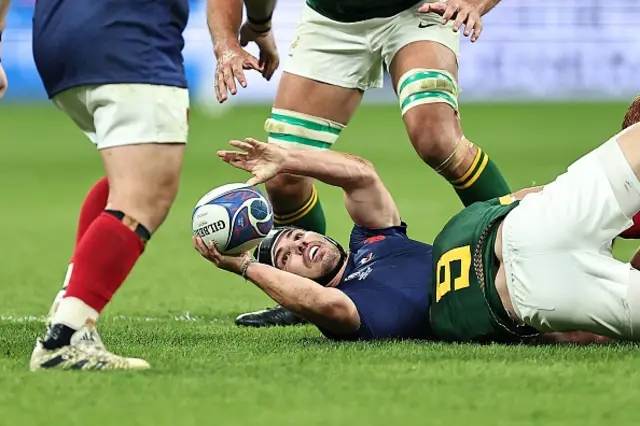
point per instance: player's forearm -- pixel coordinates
(4, 11)
(366, 198)
(346, 171)
(323, 306)
(298, 294)
(223, 19)
(260, 12)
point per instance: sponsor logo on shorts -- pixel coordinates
(293, 45)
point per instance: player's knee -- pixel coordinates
(285, 190)
(303, 130)
(429, 102)
(148, 202)
(144, 180)
(420, 86)
(148, 210)
(293, 129)
(434, 137)
(287, 185)
(163, 196)
(159, 201)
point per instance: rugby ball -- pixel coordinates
(236, 217)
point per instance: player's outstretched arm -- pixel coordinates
(4, 11)
(325, 307)
(367, 200)
(223, 19)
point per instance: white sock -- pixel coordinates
(74, 313)
(62, 292)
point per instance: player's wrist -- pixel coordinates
(244, 267)
(225, 44)
(259, 26)
(293, 161)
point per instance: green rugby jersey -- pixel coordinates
(465, 305)
(359, 10)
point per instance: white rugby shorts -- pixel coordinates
(127, 114)
(352, 54)
(556, 250)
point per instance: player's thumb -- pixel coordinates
(251, 62)
(257, 179)
(253, 181)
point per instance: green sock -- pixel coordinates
(309, 216)
(482, 182)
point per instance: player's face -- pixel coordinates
(307, 254)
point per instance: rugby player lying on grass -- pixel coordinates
(387, 284)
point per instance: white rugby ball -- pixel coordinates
(236, 217)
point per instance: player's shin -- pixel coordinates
(295, 200)
(102, 260)
(93, 204)
(468, 168)
(481, 180)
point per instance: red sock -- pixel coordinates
(633, 233)
(102, 260)
(94, 204)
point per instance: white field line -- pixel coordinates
(186, 317)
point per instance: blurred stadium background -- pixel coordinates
(546, 82)
(551, 49)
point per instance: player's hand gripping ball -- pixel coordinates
(236, 217)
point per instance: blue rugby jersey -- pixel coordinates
(83, 42)
(387, 277)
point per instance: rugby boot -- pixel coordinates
(64, 348)
(54, 308)
(269, 317)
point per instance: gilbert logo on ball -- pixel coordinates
(236, 217)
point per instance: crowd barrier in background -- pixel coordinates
(549, 49)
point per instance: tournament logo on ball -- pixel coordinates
(236, 217)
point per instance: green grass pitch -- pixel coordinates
(177, 311)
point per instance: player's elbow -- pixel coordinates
(366, 173)
(339, 314)
(335, 310)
